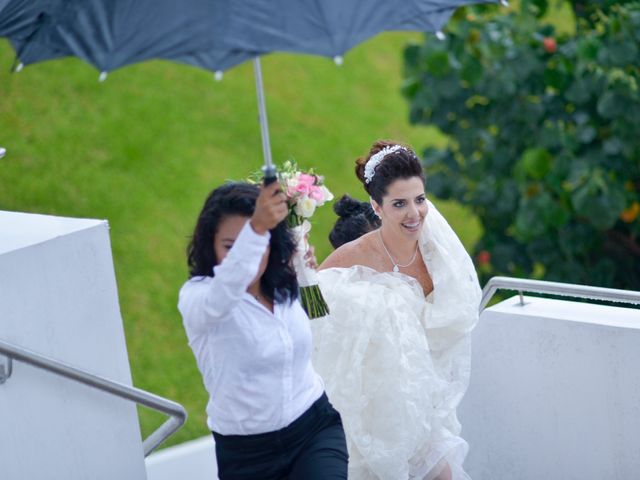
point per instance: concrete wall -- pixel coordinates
(554, 393)
(58, 297)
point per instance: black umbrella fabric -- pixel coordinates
(19, 20)
(211, 34)
(328, 28)
(113, 34)
(18, 17)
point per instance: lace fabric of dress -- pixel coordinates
(396, 364)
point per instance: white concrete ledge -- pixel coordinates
(59, 299)
(554, 392)
(21, 230)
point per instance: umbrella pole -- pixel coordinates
(268, 169)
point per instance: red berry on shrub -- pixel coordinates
(550, 45)
(484, 257)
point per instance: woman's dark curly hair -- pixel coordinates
(401, 164)
(355, 218)
(279, 281)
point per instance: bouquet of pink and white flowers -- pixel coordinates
(305, 192)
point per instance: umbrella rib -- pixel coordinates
(330, 36)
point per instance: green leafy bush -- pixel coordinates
(544, 140)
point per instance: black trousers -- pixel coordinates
(313, 447)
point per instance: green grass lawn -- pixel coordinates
(144, 148)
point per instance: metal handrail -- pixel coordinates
(556, 288)
(175, 410)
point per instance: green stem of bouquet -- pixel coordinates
(294, 220)
(312, 301)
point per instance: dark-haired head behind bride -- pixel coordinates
(394, 352)
(355, 218)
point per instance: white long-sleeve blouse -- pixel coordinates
(255, 364)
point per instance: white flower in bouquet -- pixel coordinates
(305, 207)
(328, 196)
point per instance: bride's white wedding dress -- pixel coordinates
(396, 364)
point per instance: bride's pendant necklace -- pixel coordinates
(396, 266)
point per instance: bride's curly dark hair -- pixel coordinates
(279, 281)
(402, 164)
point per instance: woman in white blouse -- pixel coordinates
(267, 409)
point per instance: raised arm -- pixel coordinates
(203, 302)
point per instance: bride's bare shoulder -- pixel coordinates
(357, 252)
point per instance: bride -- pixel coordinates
(394, 352)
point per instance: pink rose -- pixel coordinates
(291, 191)
(303, 188)
(316, 194)
(306, 179)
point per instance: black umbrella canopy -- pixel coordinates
(212, 34)
(329, 27)
(17, 17)
(112, 34)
